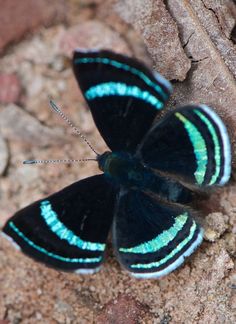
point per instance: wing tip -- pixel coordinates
(161, 79)
(10, 239)
(226, 143)
(174, 265)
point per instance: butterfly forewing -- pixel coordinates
(67, 230)
(124, 96)
(192, 143)
(152, 238)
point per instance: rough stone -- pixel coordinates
(20, 17)
(211, 79)
(10, 88)
(4, 155)
(91, 35)
(16, 124)
(160, 35)
(216, 225)
(124, 309)
(230, 244)
(218, 20)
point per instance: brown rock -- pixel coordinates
(20, 17)
(211, 77)
(124, 309)
(16, 124)
(10, 88)
(216, 225)
(219, 19)
(91, 35)
(160, 35)
(230, 245)
(4, 155)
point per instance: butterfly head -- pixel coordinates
(103, 160)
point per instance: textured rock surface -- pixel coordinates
(10, 88)
(124, 309)
(211, 79)
(160, 34)
(203, 289)
(19, 17)
(88, 35)
(4, 155)
(17, 125)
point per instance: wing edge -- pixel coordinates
(178, 262)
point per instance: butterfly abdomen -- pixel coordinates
(129, 172)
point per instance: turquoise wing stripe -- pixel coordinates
(125, 67)
(122, 89)
(50, 254)
(216, 144)
(171, 254)
(199, 147)
(161, 240)
(58, 228)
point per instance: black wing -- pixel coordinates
(152, 238)
(67, 230)
(124, 96)
(192, 143)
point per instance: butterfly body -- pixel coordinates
(143, 192)
(125, 170)
(128, 172)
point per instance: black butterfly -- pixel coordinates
(143, 189)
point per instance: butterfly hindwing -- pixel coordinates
(67, 230)
(152, 238)
(124, 96)
(191, 143)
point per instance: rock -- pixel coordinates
(218, 19)
(210, 235)
(4, 155)
(211, 79)
(216, 225)
(20, 17)
(10, 88)
(124, 309)
(160, 35)
(91, 35)
(17, 125)
(230, 244)
(63, 312)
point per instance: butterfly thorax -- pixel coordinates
(129, 172)
(122, 168)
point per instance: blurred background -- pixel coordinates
(192, 43)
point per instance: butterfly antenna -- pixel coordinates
(69, 122)
(56, 161)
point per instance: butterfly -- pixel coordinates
(143, 192)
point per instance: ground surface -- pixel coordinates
(192, 44)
